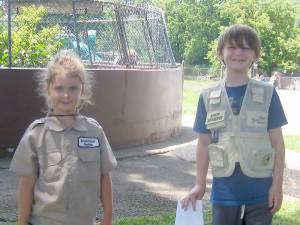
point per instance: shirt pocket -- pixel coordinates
(89, 164)
(53, 167)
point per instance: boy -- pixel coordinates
(239, 124)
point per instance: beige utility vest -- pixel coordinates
(242, 138)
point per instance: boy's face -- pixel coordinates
(64, 93)
(236, 58)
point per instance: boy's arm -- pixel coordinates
(106, 199)
(25, 198)
(275, 193)
(202, 166)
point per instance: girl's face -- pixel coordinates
(238, 59)
(64, 94)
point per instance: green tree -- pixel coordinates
(32, 43)
(275, 21)
(191, 25)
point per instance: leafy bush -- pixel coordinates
(33, 44)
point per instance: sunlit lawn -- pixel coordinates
(288, 215)
(191, 93)
(292, 142)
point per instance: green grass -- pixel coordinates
(288, 214)
(292, 142)
(165, 219)
(191, 93)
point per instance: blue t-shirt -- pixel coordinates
(240, 189)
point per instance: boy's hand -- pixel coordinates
(195, 194)
(275, 198)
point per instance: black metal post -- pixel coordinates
(9, 33)
(167, 39)
(147, 27)
(122, 35)
(75, 27)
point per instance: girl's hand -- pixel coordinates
(195, 194)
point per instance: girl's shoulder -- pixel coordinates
(92, 122)
(36, 123)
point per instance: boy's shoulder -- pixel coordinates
(257, 84)
(261, 83)
(213, 87)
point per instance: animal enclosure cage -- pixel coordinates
(102, 33)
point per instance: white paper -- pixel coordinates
(189, 217)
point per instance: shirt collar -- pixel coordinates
(54, 124)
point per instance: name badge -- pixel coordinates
(88, 142)
(215, 117)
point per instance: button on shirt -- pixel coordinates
(67, 165)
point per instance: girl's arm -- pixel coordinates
(25, 198)
(275, 193)
(106, 199)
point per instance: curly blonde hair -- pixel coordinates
(67, 63)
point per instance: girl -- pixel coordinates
(64, 159)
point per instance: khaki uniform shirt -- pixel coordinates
(67, 165)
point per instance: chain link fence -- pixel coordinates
(102, 33)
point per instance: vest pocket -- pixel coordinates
(263, 159)
(217, 156)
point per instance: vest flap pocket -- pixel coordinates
(215, 97)
(217, 156)
(54, 158)
(263, 159)
(215, 94)
(89, 155)
(257, 119)
(258, 95)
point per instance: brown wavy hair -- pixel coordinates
(237, 34)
